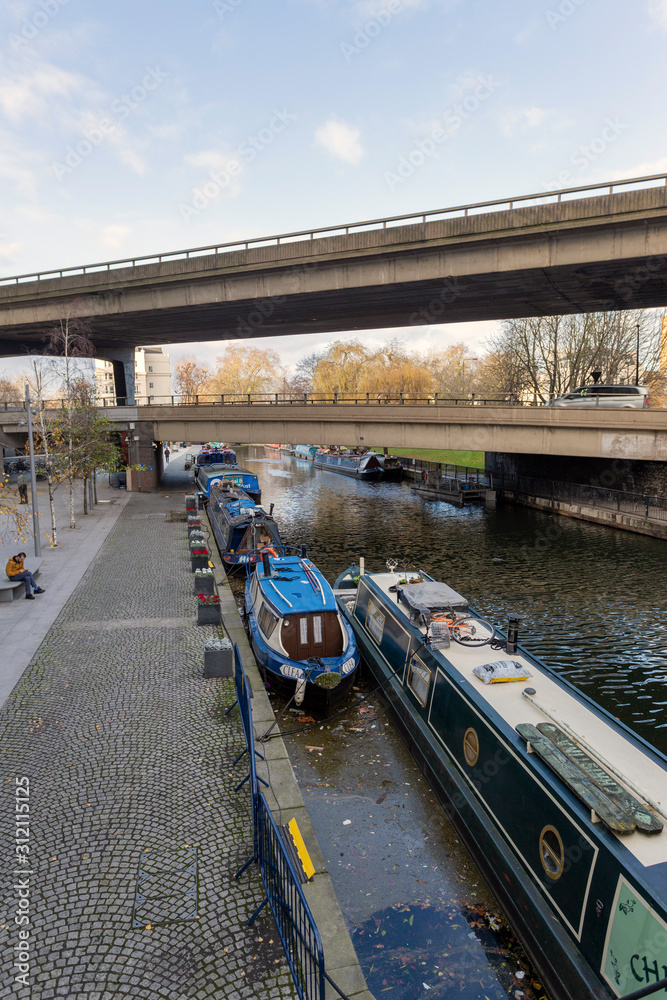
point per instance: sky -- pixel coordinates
(119, 122)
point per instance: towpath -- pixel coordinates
(128, 758)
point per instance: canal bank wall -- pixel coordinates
(597, 515)
(286, 802)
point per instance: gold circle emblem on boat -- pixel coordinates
(471, 747)
(552, 853)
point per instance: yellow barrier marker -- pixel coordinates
(301, 850)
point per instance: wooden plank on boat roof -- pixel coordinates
(644, 819)
(610, 813)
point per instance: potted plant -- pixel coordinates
(204, 581)
(208, 609)
(199, 557)
(218, 658)
(197, 541)
(194, 526)
(190, 501)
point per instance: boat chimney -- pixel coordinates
(512, 632)
(304, 551)
(266, 565)
(271, 510)
(361, 566)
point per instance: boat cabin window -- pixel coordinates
(552, 853)
(267, 621)
(254, 586)
(375, 622)
(304, 635)
(419, 679)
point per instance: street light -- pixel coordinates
(637, 368)
(33, 477)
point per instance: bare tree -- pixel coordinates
(68, 339)
(190, 377)
(549, 355)
(243, 369)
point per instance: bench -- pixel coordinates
(10, 589)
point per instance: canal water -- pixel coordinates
(592, 603)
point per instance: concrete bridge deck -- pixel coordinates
(536, 430)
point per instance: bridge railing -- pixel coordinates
(474, 208)
(314, 399)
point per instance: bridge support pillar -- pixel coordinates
(143, 452)
(122, 359)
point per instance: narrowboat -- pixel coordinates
(218, 455)
(239, 525)
(349, 463)
(304, 647)
(392, 468)
(272, 448)
(561, 806)
(208, 476)
(305, 451)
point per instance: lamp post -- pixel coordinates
(637, 367)
(33, 477)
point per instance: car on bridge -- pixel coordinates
(624, 397)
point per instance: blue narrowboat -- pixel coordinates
(561, 806)
(304, 647)
(240, 526)
(208, 476)
(218, 455)
(349, 463)
(306, 451)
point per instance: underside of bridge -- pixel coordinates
(579, 256)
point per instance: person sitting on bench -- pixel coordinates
(16, 570)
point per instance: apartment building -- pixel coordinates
(152, 376)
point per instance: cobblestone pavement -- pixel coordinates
(128, 755)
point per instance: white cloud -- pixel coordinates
(513, 120)
(341, 140)
(9, 251)
(114, 236)
(30, 95)
(658, 11)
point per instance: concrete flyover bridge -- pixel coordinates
(583, 249)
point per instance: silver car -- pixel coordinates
(624, 397)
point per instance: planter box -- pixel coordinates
(197, 543)
(205, 585)
(190, 501)
(208, 614)
(199, 562)
(218, 663)
(194, 529)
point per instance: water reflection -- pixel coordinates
(592, 601)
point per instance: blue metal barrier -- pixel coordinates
(243, 696)
(296, 926)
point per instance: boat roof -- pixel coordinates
(556, 700)
(225, 468)
(293, 586)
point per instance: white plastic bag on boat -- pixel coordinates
(500, 671)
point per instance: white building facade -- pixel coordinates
(152, 377)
